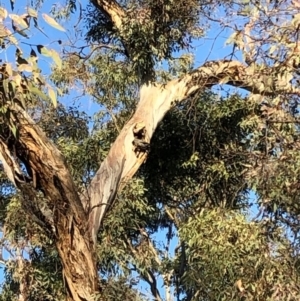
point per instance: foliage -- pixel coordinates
(209, 156)
(223, 249)
(153, 30)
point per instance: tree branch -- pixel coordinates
(156, 100)
(113, 10)
(147, 274)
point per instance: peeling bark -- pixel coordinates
(70, 232)
(156, 100)
(75, 229)
(124, 159)
(113, 10)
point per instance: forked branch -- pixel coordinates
(125, 157)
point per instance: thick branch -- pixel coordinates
(113, 10)
(125, 157)
(69, 219)
(46, 160)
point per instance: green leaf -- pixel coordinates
(52, 22)
(13, 128)
(38, 92)
(3, 13)
(12, 39)
(5, 87)
(231, 39)
(56, 58)
(8, 69)
(44, 51)
(52, 96)
(50, 53)
(31, 12)
(24, 67)
(19, 20)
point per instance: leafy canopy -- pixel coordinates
(208, 157)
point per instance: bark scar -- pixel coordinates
(140, 143)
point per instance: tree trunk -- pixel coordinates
(68, 221)
(79, 262)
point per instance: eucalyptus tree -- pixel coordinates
(250, 141)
